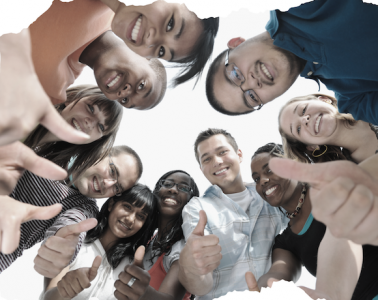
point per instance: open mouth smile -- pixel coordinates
(317, 123)
(270, 192)
(170, 201)
(221, 172)
(76, 125)
(96, 185)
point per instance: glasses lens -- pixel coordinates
(235, 74)
(253, 99)
(183, 188)
(167, 184)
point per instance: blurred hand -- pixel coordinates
(139, 287)
(57, 252)
(16, 157)
(13, 213)
(74, 282)
(343, 196)
(23, 102)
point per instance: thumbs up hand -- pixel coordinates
(74, 282)
(250, 279)
(56, 253)
(134, 280)
(201, 254)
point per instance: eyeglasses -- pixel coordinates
(180, 186)
(117, 189)
(237, 78)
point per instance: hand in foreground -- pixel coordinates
(343, 196)
(201, 254)
(74, 282)
(16, 157)
(23, 102)
(135, 289)
(13, 213)
(252, 284)
(57, 251)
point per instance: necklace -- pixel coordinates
(300, 203)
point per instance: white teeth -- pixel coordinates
(266, 72)
(271, 190)
(124, 225)
(95, 185)
(76, 125)
(135, 31)
(170, 201)
(114, 81)
(221, 171)
(317, 123)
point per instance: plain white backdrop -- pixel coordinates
(164, 136)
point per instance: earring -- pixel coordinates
(313, 152)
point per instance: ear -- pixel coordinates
(325, 99)
(111, 203)
(234, 42)
(240, 154)
(312, 147)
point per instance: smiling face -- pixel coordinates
(98, 181)
(172, 200)
(125, 219)
(311, 122)
(161, 30)
(127, 77)
(220, 163)
(272, 188)
(86, 117)
(268, 70)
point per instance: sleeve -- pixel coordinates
(190, 217)
(280, 242)
(362, 106)
(73, 216)
(174, 255)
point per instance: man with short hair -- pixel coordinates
(109, 177)
(230, 229)
(315, 40)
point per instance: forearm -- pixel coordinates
(370, 165)
(194, 284)
(287, 276)
(53, 294)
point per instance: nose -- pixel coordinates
(125, 92)
(109, 182)
(252, 82)
(305, 119)
(173, 189)
(131, 220)
(152, 41)
(218, 160)
(264, 180)
(90, 123)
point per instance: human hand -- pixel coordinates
(13, 213)
(23, 102)
(343, 196)
(74, 282)
(138, 289)
(201, 254)
(253, 285)
(16, 157)
(57, 251)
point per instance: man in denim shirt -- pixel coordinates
(332, 41)
(230, 229)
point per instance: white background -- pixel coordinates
(164, 136)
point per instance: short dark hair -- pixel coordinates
(271, 148)
(196, 61)
(161, 74)
(206, 134)
(117, 150)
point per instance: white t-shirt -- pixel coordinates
(243, 199)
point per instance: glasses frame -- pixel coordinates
(116, 185)
(226, 64)
(161, 182)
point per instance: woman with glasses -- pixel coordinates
(160, 278)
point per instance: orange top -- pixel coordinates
(158, 273)
(58, 38)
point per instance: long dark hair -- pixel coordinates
(138, 196)
(175, 234)
(86, 155)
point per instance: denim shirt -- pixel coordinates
(339, 41)
(246, 238)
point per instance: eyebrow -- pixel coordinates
(177, 36)
(216, 149)
(115, 167)
(264, 167)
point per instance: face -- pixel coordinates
(86, 117)
(220, 163)
(161, 30)
(272, 188)
(172, 200)
(268, 71)
(99, 180)
(125, 219)
(311, 122)
(127, 77)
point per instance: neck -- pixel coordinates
(112, 4)
(107, 240)
(292, 202)
(235, 187)
(165, 225)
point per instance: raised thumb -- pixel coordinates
(200, 228)
(250, 279)
(138, 257)
(42, 213)
(92, 273)
(76, 229)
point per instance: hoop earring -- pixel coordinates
(313, 152)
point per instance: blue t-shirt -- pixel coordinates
(339, 41)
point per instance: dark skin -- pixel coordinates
(171, 288)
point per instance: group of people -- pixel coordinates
(313, 200)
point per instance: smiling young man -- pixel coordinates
(235, 233)
(315, 40)
(109, 177)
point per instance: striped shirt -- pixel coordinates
(39, 191)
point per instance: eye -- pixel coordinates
(161, 52)
(128, 206)
(206, 159)
(142, 217)
(223, 152)
(124, 100)
(299, 129)
(269, 171)
(91, 108)
(252, 96)
(256, 179)
(141, 85)
(304, 110)
(102, 127)
(235, 73)
(171, 24)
